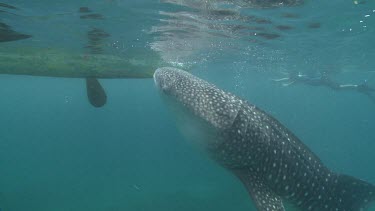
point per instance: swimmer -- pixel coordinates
(324, 80)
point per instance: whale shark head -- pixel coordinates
(204, 100)
(203, 110)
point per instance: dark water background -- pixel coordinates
(59, 153)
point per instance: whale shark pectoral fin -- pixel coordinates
(95, 92)
(263, 197)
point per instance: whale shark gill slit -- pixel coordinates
(95, 92)
(275, 167)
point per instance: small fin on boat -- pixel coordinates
(264, 198)
(7, 34)
(95, 92)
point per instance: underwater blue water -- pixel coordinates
(58, 153)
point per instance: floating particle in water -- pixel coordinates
(134, 186)
(68, 100)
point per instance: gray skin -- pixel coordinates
(272, 163)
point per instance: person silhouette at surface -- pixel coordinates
(325, 80)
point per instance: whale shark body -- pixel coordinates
(273, 164)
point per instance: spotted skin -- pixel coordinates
(272, 163)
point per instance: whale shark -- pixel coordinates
(275, 167)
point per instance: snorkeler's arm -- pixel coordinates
(348, 86)
(280, 79)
